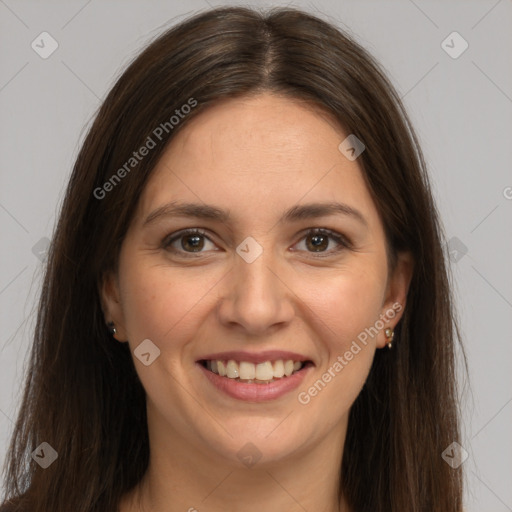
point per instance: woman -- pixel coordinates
(246, 304)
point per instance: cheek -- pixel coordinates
(159, 300)
(347, 302)
(147, 304)
(347, 308)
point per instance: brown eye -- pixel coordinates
(187, 242)
(317, 242)
(193, 242)
(320, 241)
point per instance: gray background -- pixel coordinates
(461, 108)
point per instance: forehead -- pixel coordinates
(262, 126)
(257, 155)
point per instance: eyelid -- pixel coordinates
(342, 241)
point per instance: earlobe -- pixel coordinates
(396, 297)
(111, 305)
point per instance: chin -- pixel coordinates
(260, 441)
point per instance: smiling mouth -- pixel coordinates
(251, 373)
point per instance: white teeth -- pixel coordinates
(221, 368)
(279, 368)
(232, 369)
(246, 371)
(288, 367)
(264, 371)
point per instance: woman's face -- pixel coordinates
(254, 288)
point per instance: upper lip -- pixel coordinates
(255, 357)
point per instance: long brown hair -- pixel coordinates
(82, 394)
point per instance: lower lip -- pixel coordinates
(255, 392)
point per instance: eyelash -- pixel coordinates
(344, 243)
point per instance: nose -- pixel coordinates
(256, 299)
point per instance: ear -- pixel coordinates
(111, 303)
(396, 294)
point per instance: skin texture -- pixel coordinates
(256, 157)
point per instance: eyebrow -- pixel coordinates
(294, 214)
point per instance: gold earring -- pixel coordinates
(111, 328)
(390, 334)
